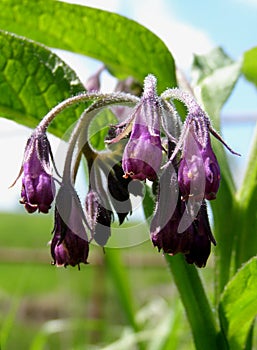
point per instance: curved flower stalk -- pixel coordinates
(147, 137)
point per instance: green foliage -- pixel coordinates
(249, 67)
(148, 202)
(238, 305)
(33, 80)
(42, 306)
(120, 279)
(99, 128)
(126, 47)
(246, 199)
(196, 304)
(215, 75)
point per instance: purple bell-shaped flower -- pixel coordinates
(67, 248)
(143, 153)
(198, 172)
(38, 187)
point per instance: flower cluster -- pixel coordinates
(150, 145)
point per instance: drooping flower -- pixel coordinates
(167, 238)
(143, 153)
(201, 239)
(38, 187)
(67, 248)
(195, 239)
(198, 172)
(167, 215)
(69, 245)
(192, 175)
(98, 217)
(194, 242)
(120, 189)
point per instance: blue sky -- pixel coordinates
(186, 27)
(229, 23)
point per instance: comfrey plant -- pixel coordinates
(149, 145)
(158, 151)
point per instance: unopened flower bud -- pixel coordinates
(93, 82)
(98, 217)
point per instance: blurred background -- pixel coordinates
(43, 307)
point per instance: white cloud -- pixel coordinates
(181, 38)
(248, 2)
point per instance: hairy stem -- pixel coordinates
(83, 124)
(87, 96)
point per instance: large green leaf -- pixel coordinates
(249, 67)
(32, 81)
(238, 305)
(125, 46)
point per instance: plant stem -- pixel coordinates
(87, 96)
(199, 313)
